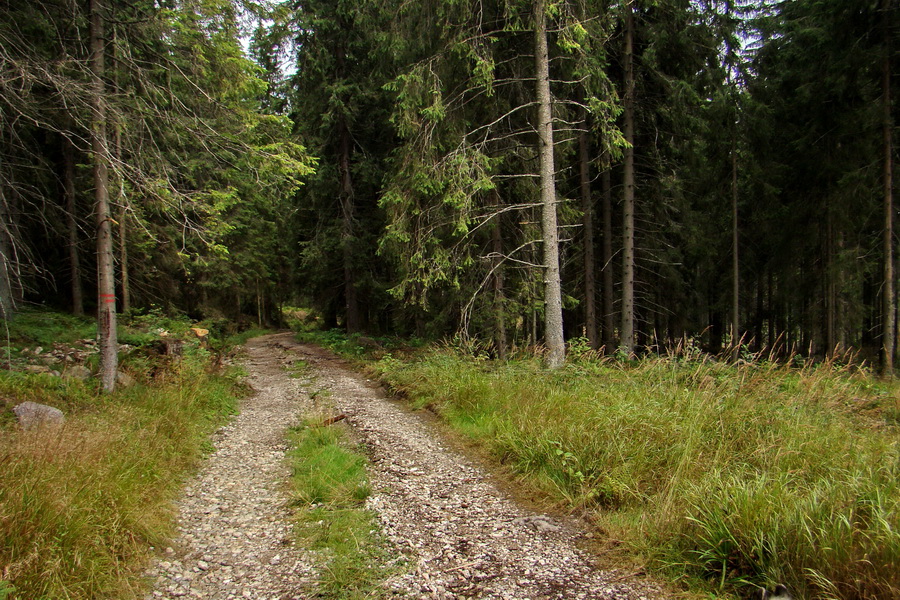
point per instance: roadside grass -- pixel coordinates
(723, 477)
(330, 489)
(81, 505)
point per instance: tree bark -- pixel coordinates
(887, 334)
(609, 327)
(68, 152)
(106, 282)
(351, 302)
(587, 209)
(553, 322)
(628, 260)
(735, 255)
(499, 300)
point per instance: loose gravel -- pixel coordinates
(461, 537)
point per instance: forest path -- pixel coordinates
(461, 536)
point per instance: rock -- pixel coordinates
(37, 369)
(124, 379)
(77, 372)
(32, 415)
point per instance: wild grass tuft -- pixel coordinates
(80, 506)
(725, 475)
(330, 488)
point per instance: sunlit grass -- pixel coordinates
(727, 476)
(330, 488)
(81, 506)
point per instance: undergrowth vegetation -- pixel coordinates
(330, 488)
(723, 476)
(81, 504)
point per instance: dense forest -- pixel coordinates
(635, 174)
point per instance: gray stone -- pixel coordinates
(37, 369)
(32, 415)
(124, 379)
(78, 372)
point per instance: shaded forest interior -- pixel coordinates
(633, 173)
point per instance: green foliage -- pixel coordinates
(729, 475)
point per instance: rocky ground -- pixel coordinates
(462, 537)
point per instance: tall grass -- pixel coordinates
(80, 506)
(725, 476)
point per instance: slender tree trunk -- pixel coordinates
(68, 151)
(887, 335)
(587, 208)
(499, 300)
(626, 341)
(830, 284)
(609, 327)
(553, 336)
(106, 281)
(352, 317)
(121, 201)
(735, 256)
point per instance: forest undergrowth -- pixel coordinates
(721, 476)
(82, 505)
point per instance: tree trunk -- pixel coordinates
(122, 203)
(587, 208)
(499, 301)
(68, 152)
(609, 327)
(351, 319)
(553, 322)
(887, 334)
(106, 291)
(735, 256)
(627, 332)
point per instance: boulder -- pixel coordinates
(78, 372)
(124, 379)
(32, 415)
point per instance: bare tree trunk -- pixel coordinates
(590, 264)
(735, 256)
(122, 204)
(887, 335)
(352, 317)
(106, 281)
(609, 327)
(68, 152)
(553, 336)
(499, 301)
(627, 332)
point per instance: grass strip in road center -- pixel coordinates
(330, 489)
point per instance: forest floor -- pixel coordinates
(460, 533)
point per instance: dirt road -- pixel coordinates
(462, 537)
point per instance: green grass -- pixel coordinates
(721, 476)
(81, 506)
(330, 488)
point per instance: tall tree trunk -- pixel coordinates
(106, 281)
(121, 201)
(609, 327)
(7, 262)
(830, 284)
(68, 152)
(499, 300)
(553, 322)
(887, 334)
(352, 317)
(626, 341)
(587, 208)
(735, 256)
